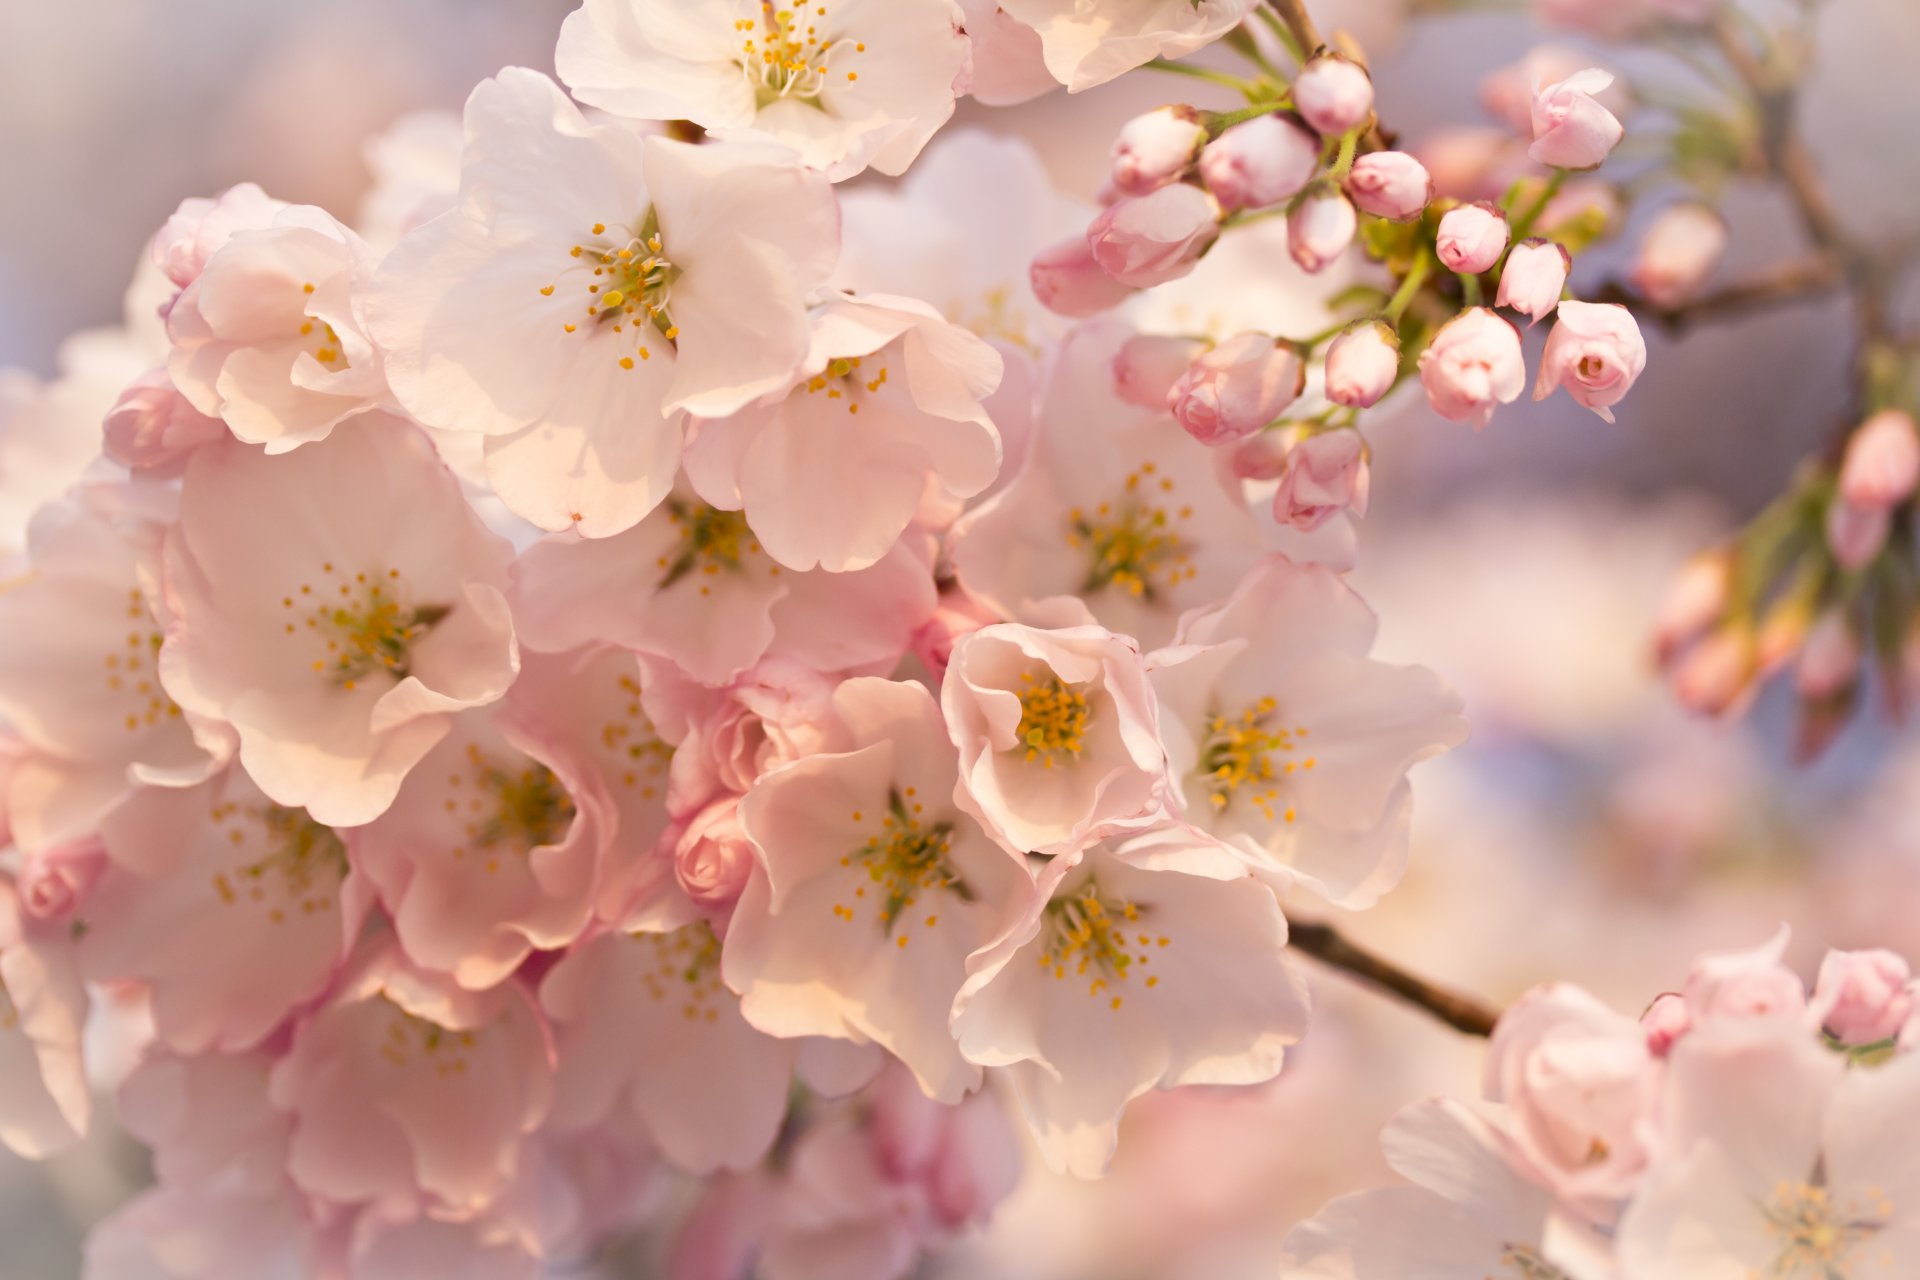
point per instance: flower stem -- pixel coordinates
(1409, 287)
(1211, 76)
(1325, 944)
(1524, 224)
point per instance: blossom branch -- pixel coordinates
(1327, 945)
(1784, 286)
(1299, 23)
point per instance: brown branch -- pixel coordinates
(1784, 286)
(1299, 22)
(1325, 944)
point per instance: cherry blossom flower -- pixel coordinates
(1571, 130)
(1471, 1212)
(1473, 366)
(403, 1085)
(1596, 352)
(416, 175)
(78, 685)
(911, 888)
(592, 283)
(1117, 506)
(1009, 66)
(335, 648)
(693, 585)
(44, 1104)
(270, 337)
(1779, 1161)
(1143, 968)
(888, 409)
(845, 83)
(1291, 745)
(232, 910)
(1087, 45)
(1057, 734)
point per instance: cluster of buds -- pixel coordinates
(1824, 583)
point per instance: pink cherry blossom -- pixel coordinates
(713, 858)
(1147, 366)
(1326, 474)
(53, 883)
(888, 407)
(153, 428)
(1472, 238)
(494, 321)
(1146, 240)
(335, 648)
(1390, 184)
(1097, 996)
(1084, 47)
(1678, 253)
(1856, 534)
(1535, 275)
(44, 1103)
(1288, 743)
(1745, 984)
(1881, 467)
(1320, 229)
(1057, 734)
(1863, 997)
(1070, 281)
(1362, 365)
(1473, 366)
(873, 889)
(201, 226)
(1665, 1021)
(1596, 352)
(1507, 93)
(1237, 387)
(1156, 148)
(855, 86)
(1258, 163)
(1009, 66)
(1333, 94)
(1570, 129)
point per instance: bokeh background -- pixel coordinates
(1590, 831)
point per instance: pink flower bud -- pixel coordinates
(713, 858)
(1570, 129)
(1745, 984)
(1882, 463)
(1855, 534)
(1694, 602)
(1326, 474)
(1147, 240)
(1156, 148)
(1678, 253)
(1535, 273)
(199, 226)
(1259, 162)
(1362, 365)
(153, 428)
(1068, 281)
(1507, 93)
(1262, 457)
(1665, 1021)
(1333, 94)
(1472, 238)
(1237, 388)
(1830, 662)
(1863, 997)
(1320, 228)
(1146, 367)
(1472, 366)
(55, 881)
(1390, 184)
(1596, 350)
(1713, 674)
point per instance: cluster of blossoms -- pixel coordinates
(1739, 1127)
(629, 663)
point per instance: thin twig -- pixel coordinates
(1325, 944)
(1793, 283)
(1300, 23)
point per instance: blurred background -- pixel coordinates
(1590, 831)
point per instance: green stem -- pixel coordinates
(1524, 224)
(1211, 76)
(1285, 34)
(1470, 290)
(1409, 287)
(1343, 163)
(1220, 121)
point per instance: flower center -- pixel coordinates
(1053, 719)
(1085, 934)
(687, 969)
(903, 860)
(1132, 543)
(712, 542)
(786, 55)
(519, 808)
(327, 349)
(628, 288)
(364, 624)
(1237, 757)
(631, 738)
(994, 314)
(842, 379)
(412, 1039)
(1819, 1239)
(303, 864)
(130, 675)
(1522, 1263)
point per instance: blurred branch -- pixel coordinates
(1294, 14)
(1784, 286)
(1325, 944)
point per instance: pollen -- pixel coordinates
(368, 630)
(684, 970)
(1053, 719)
(1238, 757)
(902, 862)
(1083, 935)
(712, 542)
(1133, 542)
(290, 863)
